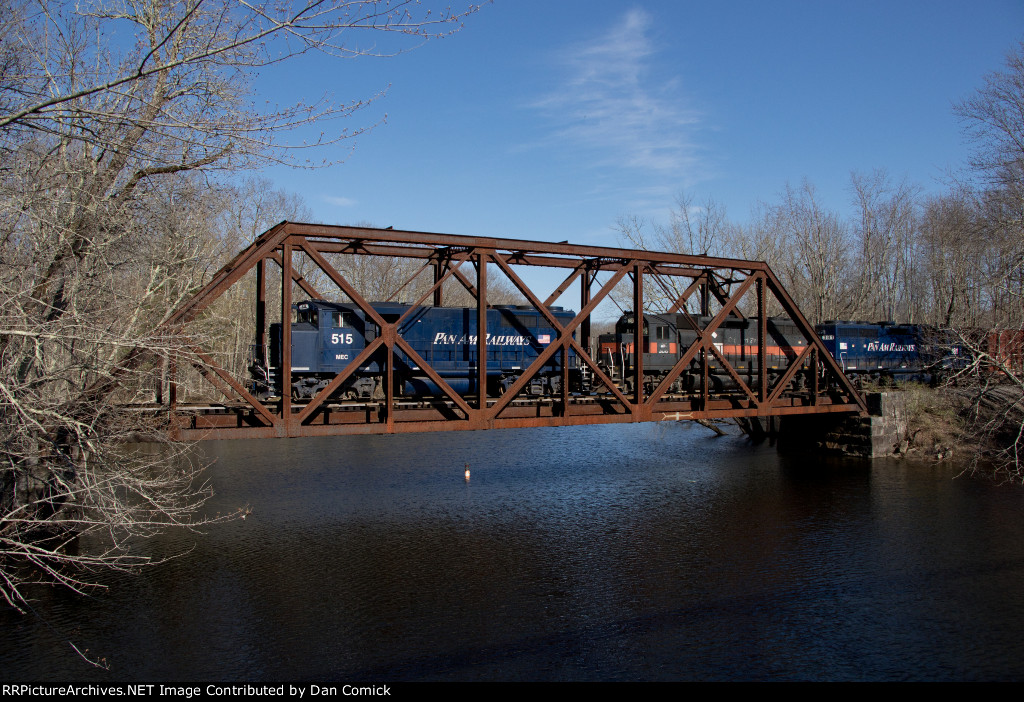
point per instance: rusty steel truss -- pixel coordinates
(713, 285)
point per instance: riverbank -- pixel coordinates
(979, 427)
(936, 426)
(974, 427)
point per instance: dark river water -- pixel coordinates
(632, 552)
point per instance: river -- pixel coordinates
(617, 552)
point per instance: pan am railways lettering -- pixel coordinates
(492, 340)
(879, 346)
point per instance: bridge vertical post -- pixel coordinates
(172, 395)
(158, 386)
(286, 335)
(565, 378)
(585, 281)
(638, 338)
(814, 376)
(704, 389)
(389, 381)
(481, 329)
(439, 267)
(261, 312)
(762, 343)
(172, 382)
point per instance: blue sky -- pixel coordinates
(550, 119)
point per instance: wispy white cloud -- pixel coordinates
(614, 103)
(339, 200)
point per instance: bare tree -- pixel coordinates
(698, 229)
(991, 392)
(885, 234)
(993, 120)
(244, 210)
(108, 110)
(66, 474)
(813, 260)
(760, 240)
(951, 261)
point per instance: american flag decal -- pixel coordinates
(544, 339)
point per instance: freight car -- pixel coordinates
(1006, 348)
(327, 336)
(667, 336)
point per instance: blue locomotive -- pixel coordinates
(884, 352)
(327, 336)
(873, 351)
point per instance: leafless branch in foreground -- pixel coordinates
(115, 116)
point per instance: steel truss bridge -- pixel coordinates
(714, 287)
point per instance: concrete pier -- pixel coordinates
(883, 433)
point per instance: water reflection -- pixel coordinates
(613, 552)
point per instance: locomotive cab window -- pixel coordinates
(625, 325)
(306, 315)
(341, 319)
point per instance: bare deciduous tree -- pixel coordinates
(951, 260)
(107, 109)
(814, 262)
(885, 234)
(994, 121)
(699, 229)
